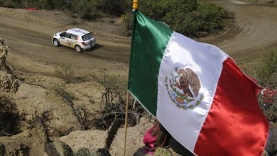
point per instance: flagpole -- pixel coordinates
(135, 7)
(126, 122)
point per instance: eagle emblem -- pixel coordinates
(183, 88)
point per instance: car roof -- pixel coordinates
(77, 31)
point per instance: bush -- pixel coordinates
(155, 9)
(10, 3)
(116, 8)
(266, 74)
(113, 97)
(65, 72)
(266, 70)
(45, 4)
(85, 9)
(189, 17)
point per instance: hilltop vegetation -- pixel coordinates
(68, 100)
(265, 72)
(190, 17)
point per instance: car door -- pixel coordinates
(65, 39)
(72, 40)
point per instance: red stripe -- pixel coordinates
(235, 125)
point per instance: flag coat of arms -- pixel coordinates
(196, 91)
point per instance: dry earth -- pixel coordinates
(34, 59)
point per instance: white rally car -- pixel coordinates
(78, 39)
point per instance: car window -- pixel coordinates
(67, 35)
(62, 34)
(87, 36)
(74, 37)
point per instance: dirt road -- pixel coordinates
(256, 31)
(32, 40)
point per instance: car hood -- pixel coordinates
(57, 34)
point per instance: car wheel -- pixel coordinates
(78, 48)
(56, 42)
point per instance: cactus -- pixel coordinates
(111, 134)
(84, 152)
(162, 152)
(52, 148)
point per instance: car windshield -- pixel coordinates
(87, 36)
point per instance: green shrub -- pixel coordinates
(155, 9)
(192, 18)
(10, 3)
(83, 152)
(266, 70)
(266, 74)
(127, 26)
(85, 8)
(116, 8)
(189, 17)
(45, 4)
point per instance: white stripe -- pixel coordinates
(237, 2)
(206, 61)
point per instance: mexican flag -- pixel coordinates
(196, 91)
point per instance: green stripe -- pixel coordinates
(149, 41)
